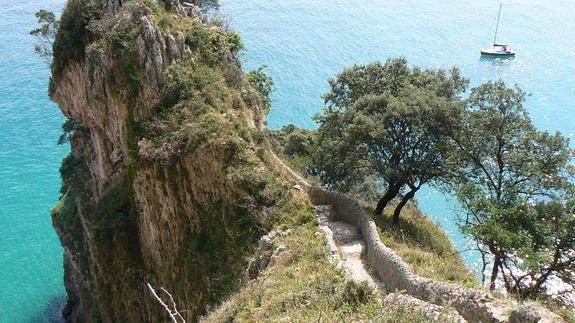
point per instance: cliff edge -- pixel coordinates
(164, 183)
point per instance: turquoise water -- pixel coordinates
(304, 42)
(31, 287)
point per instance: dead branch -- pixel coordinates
(173, 312)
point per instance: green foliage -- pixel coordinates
(264, 85)
(213, 45)
(296, 146)
(506, 170)
(294, 141)
(113, 212)
(68, 128)
(75, 175)
(355, 294)
(235, 43)
(45, 34)
(384, 120)
(73, 35)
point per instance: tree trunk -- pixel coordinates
(391, 193)
(494, 272)
(401, 204)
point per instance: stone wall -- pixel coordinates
(473, 305)
(396, 274)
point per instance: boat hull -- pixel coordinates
(497, 54)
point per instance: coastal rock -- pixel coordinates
(266, 255)
(125, 218)
(532, 313)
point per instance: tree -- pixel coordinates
(507, 170)
(45, 34)
(263, 84)
(381, 119)
(206, 4)
(293, 141)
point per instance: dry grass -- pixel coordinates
(424, 246)
(301, 286)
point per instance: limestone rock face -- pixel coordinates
(266, 255)
(417, 307)
(126, 220)
(532, 313)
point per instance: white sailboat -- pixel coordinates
(498, 50)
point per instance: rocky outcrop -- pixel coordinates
(126, 217)
(266, 254)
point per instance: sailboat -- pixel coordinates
(498, 50)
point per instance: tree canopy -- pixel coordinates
(395, 128)
(263, 84)
(511, 179)
(45, 33)
(381, 119)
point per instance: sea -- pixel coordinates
(303, 43)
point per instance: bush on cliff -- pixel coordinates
(264, 85)
(73, 36)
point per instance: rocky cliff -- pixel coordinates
(170, 183)
(164, 183)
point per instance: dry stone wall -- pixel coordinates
(473, 305)
(396, 274)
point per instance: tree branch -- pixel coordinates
(175, 315)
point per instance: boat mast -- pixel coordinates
(497, 27)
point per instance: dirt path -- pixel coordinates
(345, 242)
(346, 247)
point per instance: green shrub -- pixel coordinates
(210, 45)
(355, 293)
(195, 110)
(68, 128)
(235, 43)
(264, 85)
(75, 175)
(73, 35)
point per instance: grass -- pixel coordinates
(303, 285)
(424, 246)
